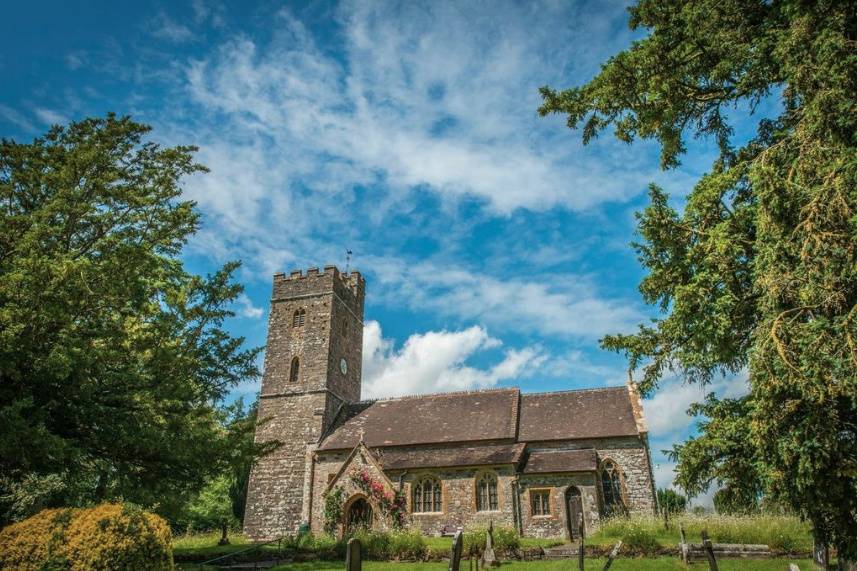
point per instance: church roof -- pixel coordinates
(546, 461)
(485, 417)
(430, 419)
(485, 455)
(572, 415)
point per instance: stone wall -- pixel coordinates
(459, 499)
(556, 524)
(631, 454)
(459, 490)
(299, 412)
(275, 494)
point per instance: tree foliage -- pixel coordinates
(723, 454)
(759, 269)
(671, 501)
(112, 356)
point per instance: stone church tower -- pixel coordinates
(312, 369)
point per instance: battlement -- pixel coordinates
(349, 286)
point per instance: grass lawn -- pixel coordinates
(445, 543)
(780, 533)
(620, 564)
(204, 545)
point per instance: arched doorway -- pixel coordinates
(358, 515)
(573, 512)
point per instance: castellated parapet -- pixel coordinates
(312, 368)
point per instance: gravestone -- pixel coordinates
(353, 559)
(455, 556)
(489, 559)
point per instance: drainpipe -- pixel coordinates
(402, 480)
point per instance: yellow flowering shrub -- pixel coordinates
(108, 536)
(30, 544)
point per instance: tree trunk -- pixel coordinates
(224, 528)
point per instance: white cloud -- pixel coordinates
(435, 362)
(245, 308)
(666, 412)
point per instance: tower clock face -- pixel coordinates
(343, 366)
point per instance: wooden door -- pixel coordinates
(574, 505)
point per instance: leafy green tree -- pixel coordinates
(759, 269)
(112, 356)
(671, 501)
(212, 508)
(723, 454)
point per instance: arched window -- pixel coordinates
(293, 372)
(611, 489)
(486, 492)
(427, 495)
(299, 318)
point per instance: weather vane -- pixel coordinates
(347, 260)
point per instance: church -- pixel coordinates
(544, 464)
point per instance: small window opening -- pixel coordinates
(293, 373)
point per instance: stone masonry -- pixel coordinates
(535, 443)
(297, 413)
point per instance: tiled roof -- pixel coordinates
(430, 419)
(569, 415)
(480, 416)
(544, 461)
(487, 455)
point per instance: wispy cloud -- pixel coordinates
(50, 116)
(17, 118)
(165, 28)
(410, 102)
(564, 305)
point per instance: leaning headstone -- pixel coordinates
(819, 554)
(613, 554)
(793, 567)
(455, 556)
(489, 559)
(353, 559)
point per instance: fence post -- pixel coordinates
(666, 518)
(613, 553)
(455, 556)
(683, 546)
(580, 553)
(709, 551)
(353, 555)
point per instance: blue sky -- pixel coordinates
(494, 244)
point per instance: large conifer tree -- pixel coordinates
(759, 270)
(112, 356)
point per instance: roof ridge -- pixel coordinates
(584, 390)
(440, 394)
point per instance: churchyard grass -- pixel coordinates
(780, 533)
(204, 545)
(621, 564)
